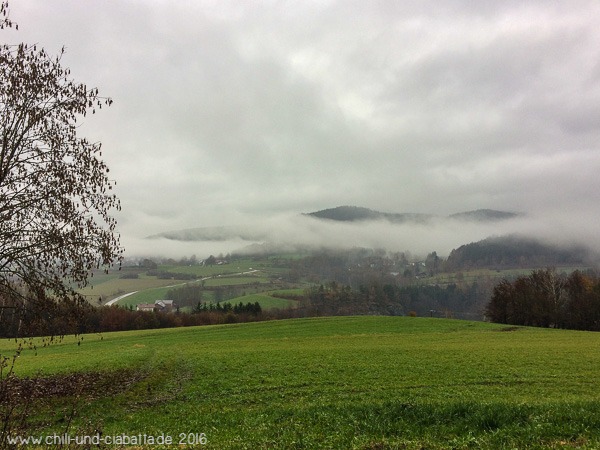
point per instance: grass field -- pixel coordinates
(254, 278)
(348, 382)
(265, 300)
(236, 280)
(111, 287)
(107, 286)
(145, 296)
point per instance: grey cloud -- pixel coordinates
(229, 112)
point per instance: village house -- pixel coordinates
(145, 307)
(158, 305)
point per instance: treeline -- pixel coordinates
(547, 299)
(389, 299)
(59, 318)
(193, 294)
(240, 308)
(544, 298)
(349, 267)
(68, 317)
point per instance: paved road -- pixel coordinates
(115, 300)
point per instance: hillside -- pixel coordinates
(514, 251)
(484, 215)
(357, 214)
(256, 232)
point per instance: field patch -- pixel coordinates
(113, 287)
(145, 296)
(344, 382)
(266, 301)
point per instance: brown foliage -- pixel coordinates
(546, 299)
(55, 194)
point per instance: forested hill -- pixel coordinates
(357, 214)
(514, 251)
(484, 215)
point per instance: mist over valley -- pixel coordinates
(324, 224)
(347, 227)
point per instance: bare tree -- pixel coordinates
(56, 197)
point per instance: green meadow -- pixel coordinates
(266, 300)
(341, 383)
(253, 275)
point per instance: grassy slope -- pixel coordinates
(257, 275)
(352, 382)
(266, 301)
(149, 289)
(111, 287)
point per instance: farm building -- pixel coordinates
(158, 305)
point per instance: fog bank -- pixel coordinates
(291, 232)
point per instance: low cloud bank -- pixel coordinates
(289, 232)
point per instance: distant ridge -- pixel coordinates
(484, 215)
(358, 214)
(337, 214)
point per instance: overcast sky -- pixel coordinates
(225, 112)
